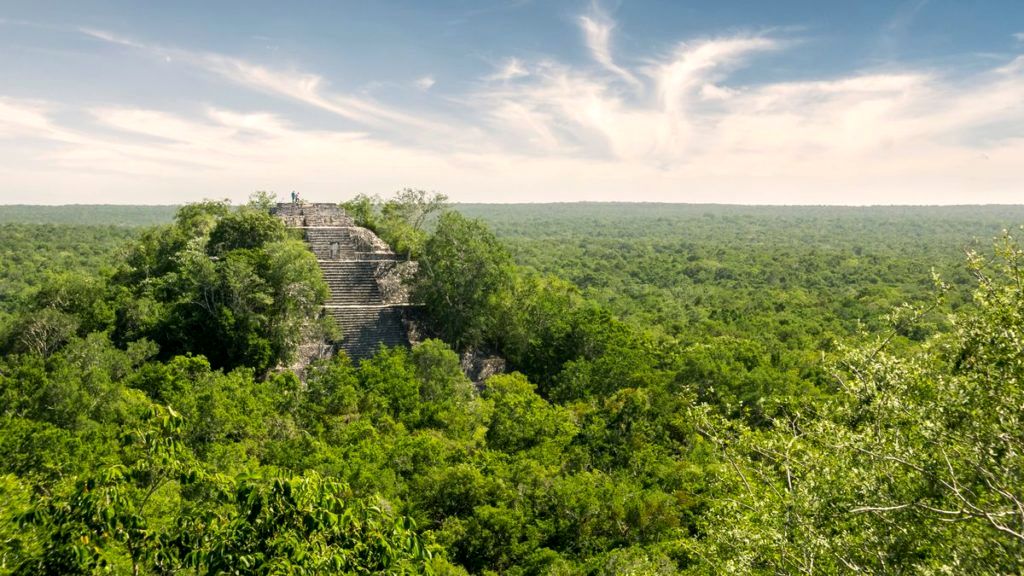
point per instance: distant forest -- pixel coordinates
(689, 389)
(148, 215)
(87, 214)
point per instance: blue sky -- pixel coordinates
(783, 102)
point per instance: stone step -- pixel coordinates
(350, 298)
(365, 328)
(339, 244)
(326, 215)
(326, 220)
(336, 234)
(351, 282)
(293, 221)
(349, 267)
(329, 253)
(288, 209)
(341, 295)
(317, 212)
(323, 253)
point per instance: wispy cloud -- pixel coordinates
(896, 28)
(309, 89)
(300, 86)
(574, 111)
(904, 16)
(864, 131)
(425, 83)
(597, 31)
(23, 118)
(511, 69)
(691, 129)
(111, 38)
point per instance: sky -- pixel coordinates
(749, 102)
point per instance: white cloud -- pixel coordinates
(20, 118)
(110, 37)
(544, 130)
(902, 132)
(425, 83)
(303, 87)
(310, 89)
(597, 31)
(1019, 36)
(511, 69)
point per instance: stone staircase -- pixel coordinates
(365, 328)
(367, 298)
(352, 282)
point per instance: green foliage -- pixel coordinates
(448, 401)
(303, 525)
(96, 216)
(102, 521)
(226, 284)
(461, 273)
(262, 201)
(794, 279)
(80, 383)
(402, 219)
(390, 387)
(244, 230)
(250, 525)
(331, 390)
(717, 390)
(522, 420)
(740, 377)
(37, 257)
(15, 544)
(363, 210)
(914, 463)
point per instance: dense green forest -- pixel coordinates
(689, 389)
(87, 214)
(32, 256)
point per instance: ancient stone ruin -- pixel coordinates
(368, 298)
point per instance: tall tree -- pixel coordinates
(227, 284)
(463, 270)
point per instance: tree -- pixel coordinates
(390, 387)
(245, 525)
(226, 284)
(16, 544)
(448, 400)
(916, 463)
(463, 269)
(331, 389)
(363, 210)
(262, 200)
(245, 228)
(41, 333)
(400, 220)
(301, 525)
(534, 325)
(404, 216)
(522, 420)
(103, 522)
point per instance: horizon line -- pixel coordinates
(568, 203)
